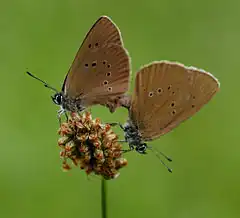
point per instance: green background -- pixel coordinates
(43, 37)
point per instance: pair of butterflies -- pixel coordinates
(165, 93)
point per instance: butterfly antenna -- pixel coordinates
(44, 83)
(169, 169)
(165, 156)
(159, 154)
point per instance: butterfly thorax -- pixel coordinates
(133, 137)
(73, 105)
(67, 103)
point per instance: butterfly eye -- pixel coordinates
(86, 65)
(57, 99)
(108, 74)
(159, 90)
(150, 94)
(109, 89)
(169, 87)
(90, 45)
(193, 106)
(104, 62)
(96, 44)
(109, 65)
(193, 97)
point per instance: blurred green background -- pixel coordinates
(44, 36)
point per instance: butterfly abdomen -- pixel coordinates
(131, 134)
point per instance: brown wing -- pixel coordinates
(103, 32)
(101, 59)
(103, 73)
(166, 94)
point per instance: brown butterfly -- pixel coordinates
(165, 94)
(99, 73)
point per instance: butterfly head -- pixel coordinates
(57, 98)
(141, 148)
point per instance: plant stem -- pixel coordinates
(104, 197)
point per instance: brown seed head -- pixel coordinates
(91, 146)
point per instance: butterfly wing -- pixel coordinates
(166, 94)
(101, 67)
(102, 74)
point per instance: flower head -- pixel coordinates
(90, 145)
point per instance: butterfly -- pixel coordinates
(99, 73)
(165, 94)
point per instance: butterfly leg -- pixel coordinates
(113, 124)
(116, 124)
(66, 115)
(59, 119)
(122, 141)
(131, 147)
(59, 113)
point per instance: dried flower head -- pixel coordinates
(90, 145)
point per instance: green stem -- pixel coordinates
(104, 197)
